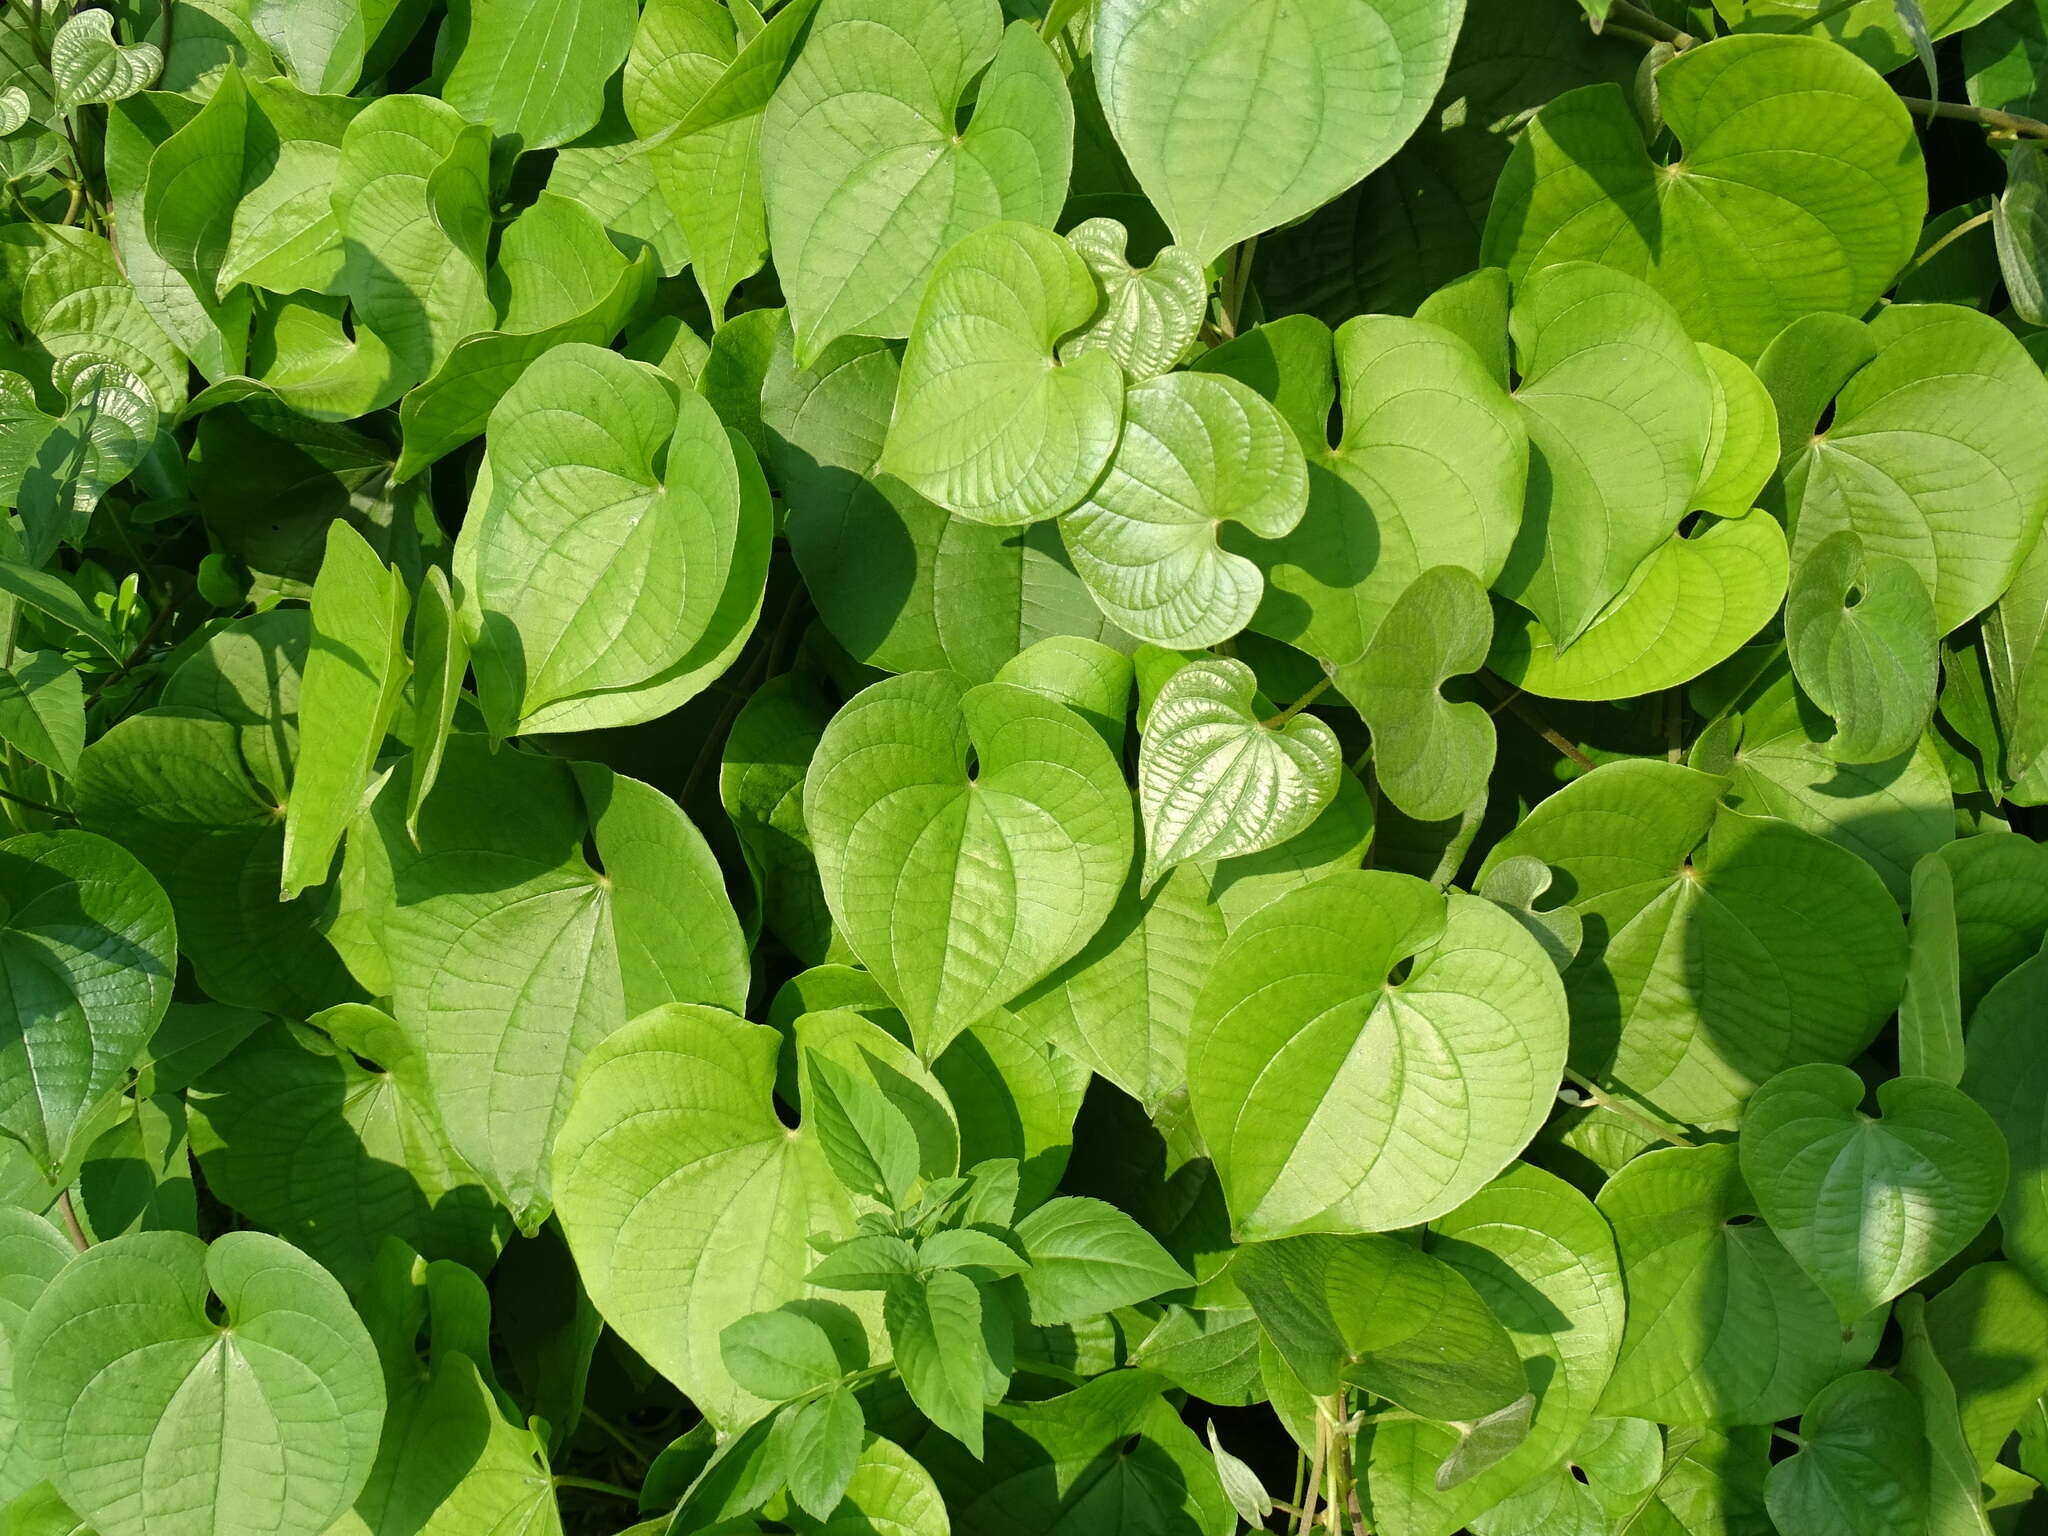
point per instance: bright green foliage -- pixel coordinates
(1023, 767)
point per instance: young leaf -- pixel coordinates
(1197, 450)
(88, 65)
(935, 1333)
(794, 1349)
(1149, 314)
(1375, 66)
(1215, 782)
(2019, 221)
(1087, 1258)
(42, 710)
(1430, 757)
(867, 1140)
(878, 88)
(1039, 824)
(987, 425)
(822, 1448)
(1862, 1467)
(1334, 1094)
(1870, 1206)
(272, 1417)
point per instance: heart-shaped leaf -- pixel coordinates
(1800, 188)
(88, 65)
(1196, 450)
(1861, 1467)
(151, 1418)
(535, 70)
(1149, 314)
(1722, 1325)
(1432, 757)
(107, 429)
(1344, 1044)
(1870, 1206)
(87, 952)
(14, 109)
(1859, 630)
(1214, 781)
(1375, 65)
(986, 424)
(870, 178)
(1003, 813)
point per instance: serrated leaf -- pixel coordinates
(1800, 189)
(1040, 825)
(89, 66)
(986, 424)
(271, 1418)
(1088, 1257)
(869, 175)
(1862, 1468)
(1375, 67)
(794, 1349)
(1149, 314)
(935, 1332)
(1430, 757)
(1314, 1073)
(1870, 1206)
(1196, 450)
(1722, 1325)
(1216, 782)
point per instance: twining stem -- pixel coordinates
(1607, 1101)
(1516, 701)
(1989, 117)
(563, 1480)
(33, 805)
(1796, 1441)
(78, 1238)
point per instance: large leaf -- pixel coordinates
(1861, 1468)
(1800, 189)
(535, 70)
(870, 176)
(1870, 1206)
(1336, 1094)
(986, 423)
(1298, 102)
(87, 951)
(1721, 948)
(150, 1417)
(1215, 781)
(1000, 812)
(686, 1200)
(1196, 450)
(1722, 1325)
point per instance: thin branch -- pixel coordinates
(1299, 704)
(1600, 1098)
(1636, 19)
(1998, 122)
(1976, 221)
(563, 1480)
(1523, 711)
(34, 805)
(78, 1238)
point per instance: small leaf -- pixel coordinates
(790, 1351)
(1087, 1258)
(2019, 222)
(867, 1139)
(1149, 314)
(1432, 758)
(88, 65)
(987, 425)
(1870, 1206)
(935, 1324)
(821, 1442)
(1241, 1484)
(1216, 783)
(1862, 1469)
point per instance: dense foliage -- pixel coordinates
(1047, 768)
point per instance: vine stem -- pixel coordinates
(1514, 700)
(78, 1238)
(564, 1480)
(1975, 221)
(34, 805)
(1600, 1097)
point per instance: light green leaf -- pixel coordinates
(87, 951)
(935, 1332)
(48, 594)
(42, 710)
(686, 1200)
(986, 425)
(410, 197)
(1619, 405)
(2015, 634)
(1722, 1325)
(1332, 1095)
(680, 48)
(1919, 461)
(510, 957)
(2006, 1072)
(867, 1140)
(108, 428)
(623, 184)
(1955, 1500)
(1860, 634)
(1800, 188)
(1375, 1313)
(2019, 222)
(325, 43)
(1862, 1469)
(534, 70)
(1431, 757)
(1690, 606)
(793, 1349)
(440, 662)
(14, 110)
(150, 1418)
(821, 1446)
(1986, 1330)
(1149, 314)
(868, 173)
(1040, 826)
(1196, 450)
(1679, 891)
(1430, 469)
(888, 1491)
(89, 66)
(1542, 1259)
(32, 1251)
(604, 536)
(1870, 1206)
(1088, 1257)
(298, 1135)
(1315, 95)
(1742, 447)
(1214, 781)
(355, 675)
(74, 297)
